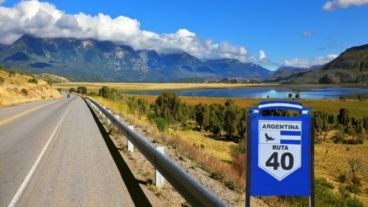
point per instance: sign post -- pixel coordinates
(280, 152)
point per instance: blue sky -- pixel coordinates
(286, 30)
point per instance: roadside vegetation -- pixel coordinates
(212, 134)
(16, 87)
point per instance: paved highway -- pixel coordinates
(53, 154)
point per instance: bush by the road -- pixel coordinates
(82, 90)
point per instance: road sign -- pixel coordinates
(279, 151)
(279, 147)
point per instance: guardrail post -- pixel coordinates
(130, 144)
(108, 122)
(160, 180)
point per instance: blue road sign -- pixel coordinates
(280, 152)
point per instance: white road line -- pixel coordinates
(25, 182)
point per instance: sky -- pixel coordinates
(270, 33)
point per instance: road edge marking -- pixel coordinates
(7, 120)
(27, 179)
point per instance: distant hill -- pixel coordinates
(92, 60)
(285, 74)
(19, 88)
(234, 68)
(51, 78)
(350, 67)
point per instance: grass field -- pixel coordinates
(152, 86)
(331, 160)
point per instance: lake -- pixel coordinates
(278, 92)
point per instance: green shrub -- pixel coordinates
(323, 183)
(12, 73)
(341, 178)
(353, 188)
(82, 90)
(92, 93)
(161, 124)
(72, 90)
(24, 92)
(106, 92)
(1, 80)
(354, 202)
(33, 80)
(151, 116)
(343, 192)
(217, 175)
(339, 137)
(353, 141)
(356, 181)
(142, 106)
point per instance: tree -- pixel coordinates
(216, 117)
(231, 118)
(321, 123)
(290, 95)
(161, 124)
(132, 103)
(365, 123)
(355, 166)
(297, 95)
(142, 106)
(202, 115)
(343, 117)
(358, 125)
(242, 124)
(106, 92)
(72, 90)
(82, 90)
(168, 106)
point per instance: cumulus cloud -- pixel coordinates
(43, 19)
(308, 62)
(262, 55)
(335, 4)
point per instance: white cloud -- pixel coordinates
(262, 55)
(305, 62)
(43, 19)
(335, 4)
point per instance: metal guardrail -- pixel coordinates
(190, 189)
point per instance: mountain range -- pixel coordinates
(350, 67)
(92, 60)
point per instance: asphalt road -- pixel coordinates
(52, 153)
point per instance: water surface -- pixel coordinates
(270, 92)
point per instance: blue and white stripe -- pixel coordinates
(290, 137)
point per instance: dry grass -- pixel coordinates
(219, 149)
(16, 89)
(331, 160)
